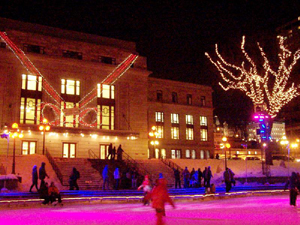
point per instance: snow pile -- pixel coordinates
(23, 169)
(8, 177)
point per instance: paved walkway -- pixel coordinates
(251, 210)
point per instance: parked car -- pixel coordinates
(283, 157)
(252, 158)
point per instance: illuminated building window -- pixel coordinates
(72, 54)
(203, 121)
(31, 83)
(174, 118)
(203, 135)
(159, 96)
(175, 154)
(201, 154)
(202, 101)
(69, 150)
(189, 133)
(193, 153)
(174, 97)
(107, 60)
(187, 154)
(160, 131)
(34, 48)
(69, 118)
(106, 117)
(70, 87)
(103, 151)
(159, 117)
(189, 119)
(175, 132)
(28, 147)
(105, 91)
(189, 99)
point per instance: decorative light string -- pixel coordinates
(274, 93)
(109, 80)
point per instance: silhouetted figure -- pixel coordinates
(43, 191)
(217, 156)
(73, 179)
(177, 178)
(105, 178)
(186, 177)
(134, 175)
(110, 149)
(119, 152)
(42, 173)
(54, 193)
(117, 178)
(292, 185)
(228, 176)
(34, 178)
(114, 152)
(200, 175)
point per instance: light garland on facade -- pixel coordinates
(259, 87)
(53, 94)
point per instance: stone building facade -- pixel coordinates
(74, 64)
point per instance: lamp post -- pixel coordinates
(44, 127)
(225, 146)
(16, 133)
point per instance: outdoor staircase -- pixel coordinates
(90, 178)
(156, 166)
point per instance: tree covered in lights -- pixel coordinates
(263, 84)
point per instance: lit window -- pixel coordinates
(175, 154)
(70, 87)
(189, 119)
(193, 154)
(175, 118)
(203, 134)
(106, 118)
(201, 154)
(69, 120)
(30, 110)
(189, 133)
(160, 131)
(187, 154)
(106, 91)
(28, 147)
(175, 132)
(203, 121)
(159, 116)
(31, 83)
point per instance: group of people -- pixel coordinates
(46, 192)
(112, 152)
(126, 180)
(194, 178)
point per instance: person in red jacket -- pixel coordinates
(159, 197)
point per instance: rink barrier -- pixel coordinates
(35, 202)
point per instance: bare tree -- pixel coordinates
(265, 86)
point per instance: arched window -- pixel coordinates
(201, 154)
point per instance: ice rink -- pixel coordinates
(248, 210)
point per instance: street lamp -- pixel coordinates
(225, 146)
(16, 133)
(44, 127)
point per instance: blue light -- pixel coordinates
(260, 120)
(263, 126)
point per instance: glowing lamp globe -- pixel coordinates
(15, 126)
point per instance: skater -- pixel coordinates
(200, 175)
(53, 194)
(177, 178)
(73, 179)
(159, 197)
(42, 173)
(147, 190)
(117, 178)
(292, 184)
(34, 178)
(119, 153)
(105, 178)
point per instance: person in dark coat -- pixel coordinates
(292, 184)
(114, 153)
(186, 177)
(43, 191)
(42, 173)
(119, 153)
(34, 178)
(54, 193)
(208, 176)
(204, 177)
(105, 178)
(177, 178)
(200, 175)
(73, 179)
(228, 176)
(110, 149)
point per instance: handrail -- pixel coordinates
(92, 154)
(54, 166)
(171, 164)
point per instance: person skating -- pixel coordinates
(292, 185)
(159, 197)
(73, 179)
(147, 190)
(34, 178)
(42, 173)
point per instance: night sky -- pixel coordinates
(173, 35)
